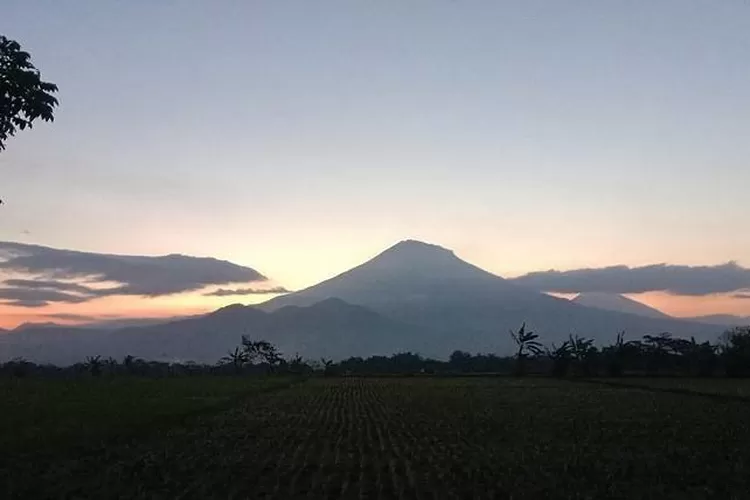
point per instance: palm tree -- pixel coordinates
(327, 366)
(614, 356)
(297, 365)
(527, 344)
(560, 357)
(94, 365)
(129, 363)
(583, 352)
(111, 364)
(237, 358)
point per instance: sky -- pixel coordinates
(301, 138)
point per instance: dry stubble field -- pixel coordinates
(416, 438)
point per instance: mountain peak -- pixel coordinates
(410, 272)
(413, 252)
(417, 246)
(416, 251)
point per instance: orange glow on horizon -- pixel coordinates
(684, 306)
(123, 307)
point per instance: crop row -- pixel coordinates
(430, 438)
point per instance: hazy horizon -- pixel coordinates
(90, 287)
(300, 139)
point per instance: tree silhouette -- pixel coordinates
(20, 367)
(297, 366)
(328, 367)
(237, 358)
(461, 361)
(261, 350)
(131, 363)
(111, 364)
(614, 356)
(702, 359)
(527, 344)
(560, 357)
(583, 352)
(94, 365)
(736, 351)
(657, 349)
(24, 97)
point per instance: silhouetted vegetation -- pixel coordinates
(527, 346)
(24, 97)
(735, 352)
(651, 355)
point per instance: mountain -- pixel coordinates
(118, 323)
(723, 319)
(461, 306)
(33, 326)
(619, 303)
(412, 297)
(331, 329)
(410, 273)
(56, 344)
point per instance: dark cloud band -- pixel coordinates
(224, 292)
(66, 276)
(680, 280)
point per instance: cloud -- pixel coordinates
(25, 303)
(49, 285)
(679, 280)
(32, 295)
(70, 316)
(224, 292)
(67, 276)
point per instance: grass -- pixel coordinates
(421, 438)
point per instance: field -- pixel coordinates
(378, 438)
(57, 413)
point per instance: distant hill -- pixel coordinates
(35, 326)
(723, 319)
(331, 329)
(619, 303)
(99, 324)
(56, 344)
(118, 323)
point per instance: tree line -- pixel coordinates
(650, 355)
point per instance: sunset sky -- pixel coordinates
(300, 138)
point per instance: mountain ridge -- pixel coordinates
(413, 296)
(618, 302)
